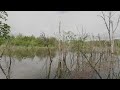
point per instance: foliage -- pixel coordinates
(21, 40)
(4, 28)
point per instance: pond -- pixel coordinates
(36, 65)
(27, 64)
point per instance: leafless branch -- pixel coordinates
(117, 24)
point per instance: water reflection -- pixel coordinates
(43, 53)
(33, 63)
(23, 53)
(27, 62)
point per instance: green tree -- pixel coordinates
(4, 27)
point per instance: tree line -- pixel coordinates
(21, 40)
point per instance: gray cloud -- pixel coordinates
(62, 12)
(35, 22)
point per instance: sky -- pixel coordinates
(36, 22)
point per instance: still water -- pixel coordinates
(36, 66)
(29, 68)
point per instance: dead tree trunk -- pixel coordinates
(111, 27)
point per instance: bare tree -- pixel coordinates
(59, 70)
(6, 72)
(111, 26)
(49, 52)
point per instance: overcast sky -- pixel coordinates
(35, 22)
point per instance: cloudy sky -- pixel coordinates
(35, 22)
